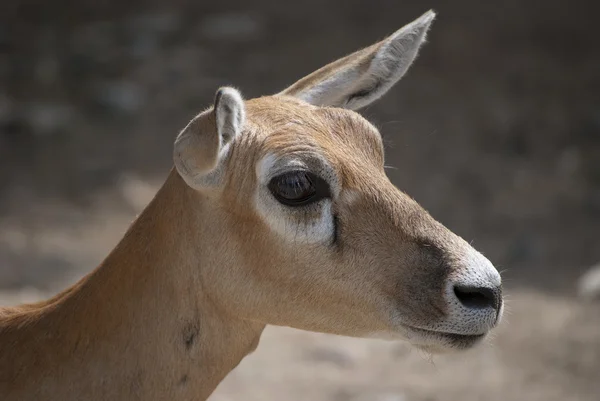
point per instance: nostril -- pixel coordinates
(478, 297)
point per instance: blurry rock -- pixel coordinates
(143, 46)
(588, 286)
(158, 22)
(47, 69)
(48, 117)
(232, 26)
(120, 96)
(569, 162)
(94, 38)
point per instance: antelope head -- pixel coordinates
(306, 230)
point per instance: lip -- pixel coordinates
(426, 338)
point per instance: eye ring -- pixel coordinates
(298, 188)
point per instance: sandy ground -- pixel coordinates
(547, 349)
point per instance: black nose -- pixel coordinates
(479, 297)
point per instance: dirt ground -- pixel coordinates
(495, 130)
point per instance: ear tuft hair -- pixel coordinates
(229, 113)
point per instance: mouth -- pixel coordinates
(440, 341)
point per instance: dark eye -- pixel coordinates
(298, 188)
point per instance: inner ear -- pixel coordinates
(229, 113)
(203, 146)
(362, 77)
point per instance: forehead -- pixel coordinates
(287, 127)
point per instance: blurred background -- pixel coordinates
(495, 130)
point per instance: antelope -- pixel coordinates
(277, 211)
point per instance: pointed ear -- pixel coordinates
(202, 147)
(356, 80)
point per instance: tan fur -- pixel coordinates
(188, 291)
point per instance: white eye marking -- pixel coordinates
(311, 224)
(295, 229)
(271, 165)
(265, 165)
